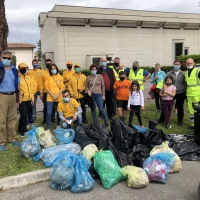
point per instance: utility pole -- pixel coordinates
(3, 27)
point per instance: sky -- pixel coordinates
(22, 15)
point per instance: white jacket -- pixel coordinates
(136, 98)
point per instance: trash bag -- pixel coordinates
(30, 146)
(137, 177)
(140, 129)
(165, 148)
(92, 171)
(152, 124)
(139, 154)
(89, 151)
(50, 154)
(82, 138)
(63, 173)
(107, 168)
(45, 138)
(83, 180)
(65, 136)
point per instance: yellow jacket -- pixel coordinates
(45, 74)
(37, 74)
(54, 83)
(27, 87)
(77, 81)
(67, 75)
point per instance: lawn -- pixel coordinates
(13, 163)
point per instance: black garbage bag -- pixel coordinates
(139, 154)
(104, 137)
(92, 171)
(153, 137)
(136, 135)
(82, 138)
(92, 130)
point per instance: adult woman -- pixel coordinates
(157, 78)
(96, 89)
(54, 86)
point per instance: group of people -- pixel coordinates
(113, 87)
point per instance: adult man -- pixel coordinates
(69, 110)
(192, 76)
(8, 90)
(76, 87)
(136, 73)
(43, 92)
(67, 74)
(109, 80)
(37, 75)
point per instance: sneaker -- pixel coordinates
(21, 134)
(15, 143)
(106, 124)
(179, 123)
(190, 127)
(168, 126)
(2, 148)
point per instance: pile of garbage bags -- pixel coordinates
(80, 155)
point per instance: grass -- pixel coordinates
(13, 163)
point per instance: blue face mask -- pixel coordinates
(6, 62)
(66, 99)
(35, 66)
(176, 67)
(93, 71)
(53, 71)
(77, 70)
(103, 64)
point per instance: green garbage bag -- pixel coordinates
(45, 138)
(107, 168)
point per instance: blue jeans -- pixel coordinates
(78, 121)
(50, 106)
(97, 99)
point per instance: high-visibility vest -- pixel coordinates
(115, 73)
(193, 83)
(139, 77)
(159, 85)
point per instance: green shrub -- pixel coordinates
(152, 69)
(195, 57)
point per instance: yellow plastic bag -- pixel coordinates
(89, 151)
(137, 177)
(163, 148)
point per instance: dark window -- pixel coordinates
(178, 49)
(96, 61)
(185, 51)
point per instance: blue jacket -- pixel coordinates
(161, 76)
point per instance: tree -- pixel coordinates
(39, 51)
(14, 60)
(3, 27)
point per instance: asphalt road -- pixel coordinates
(180, 186)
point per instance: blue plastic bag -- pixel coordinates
(65, 136)
(140, 129)
(30, 145)
(63, 173)
(83, 180)
(50, 154)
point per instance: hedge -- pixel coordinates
(195, 57)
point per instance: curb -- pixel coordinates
(24, 179)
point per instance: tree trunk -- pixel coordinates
(3, 27)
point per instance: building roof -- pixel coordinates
(21, 45)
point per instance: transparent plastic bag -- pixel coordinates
(30, 146)
(45, 138)
(137, 177)
(107, 168)
(65, 136)
(89, 151)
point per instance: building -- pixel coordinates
(24, 52)
(83, 34)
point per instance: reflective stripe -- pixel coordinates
(195, 85)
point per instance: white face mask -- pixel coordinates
(189, 67)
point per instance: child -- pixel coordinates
(122, 90)
(136, 100)
(167, 93)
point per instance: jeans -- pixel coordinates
(97, 99)
(50, 106)
(82, 104)
(78, 121)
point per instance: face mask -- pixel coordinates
(69, 66)
(53, 71)
(116, 64)
(66, 99)
(93, 71)
(121, 78)
(176, 67)
(135, 68)
(189, 67)
(6, 62)
(47, 66)
(35, 66)
(103, 64)
(77, 70)
(22, 71)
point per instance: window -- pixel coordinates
(96, 61)
(186, 51)
(178, 49)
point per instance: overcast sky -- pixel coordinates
(22, 15)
